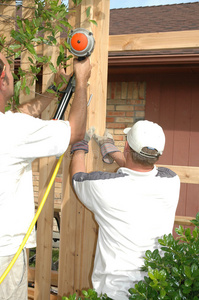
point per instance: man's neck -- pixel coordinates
(138, 167)
(2, 104)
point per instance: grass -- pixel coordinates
(32, 252)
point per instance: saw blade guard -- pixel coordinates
(81, 42)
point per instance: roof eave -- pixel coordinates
(141, 60)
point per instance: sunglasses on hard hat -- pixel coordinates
(3, 73)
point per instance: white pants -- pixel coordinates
(15, 284)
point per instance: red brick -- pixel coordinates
(118, 90)
(130, 90)
(142, 90)
(108, 90)
(124, 107)
(116, 113)
(116, 101)
(133, 102)
(139, 108)
(124, 90)
(115, 125)
(110, 107)
(58, 179)
(130, 113)
(109, 119)
(119, 138)
(113, 90)
(123, 119)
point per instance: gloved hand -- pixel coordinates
(83, 145)
(107, 145)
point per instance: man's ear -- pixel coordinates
(126, 146)
(2, 84)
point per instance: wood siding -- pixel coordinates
(173, 102)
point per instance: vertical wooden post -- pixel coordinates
(78, 229)
(7, 19)
(45, 221)
(27, 13)
(7, 23)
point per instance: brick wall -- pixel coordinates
(125, 105)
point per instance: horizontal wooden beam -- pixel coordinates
(187, 174)
(154, 41)
(150, 41)
(54, 276)
(184, 221)
(31, 294)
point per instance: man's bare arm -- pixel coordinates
(78, 162)
(37, 105)
(78, 111)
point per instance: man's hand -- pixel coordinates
(61, 79)
(107, 146)
(82, 70)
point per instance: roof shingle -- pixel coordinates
(163, 18)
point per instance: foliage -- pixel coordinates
(90, 294)
(47, 20)
(175, 275)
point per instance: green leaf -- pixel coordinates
(61, 49)
(85, 293)
(30, 48)
(188, 282)
(93, 21)
(30, 59)
(27, 89)
(162, 293)
(52, 68)
(187, 271)
(17, 88)
(88, 11)
(148, 254)
(14, 47)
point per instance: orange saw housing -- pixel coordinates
(79, 41)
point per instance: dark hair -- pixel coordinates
(1, 70)
(145, 160)
(1, 66)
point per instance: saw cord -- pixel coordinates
(33, 221)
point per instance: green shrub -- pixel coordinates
(175, 275)
(90, 294)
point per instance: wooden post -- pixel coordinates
(7, 19)
(27, 13)
(78, 229)
(45, 221)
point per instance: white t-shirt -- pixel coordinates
(133, 210)
(23, 138)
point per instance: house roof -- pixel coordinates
(162, 18)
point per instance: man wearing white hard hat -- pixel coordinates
(133, 207)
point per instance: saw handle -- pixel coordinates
(65, 99)
(81, 58)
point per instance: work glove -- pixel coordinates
(107, 145)
(83, 145)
